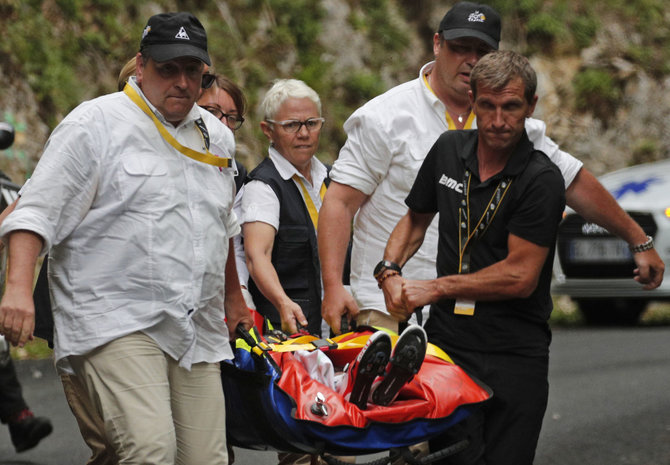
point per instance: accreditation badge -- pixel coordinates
(464, 307)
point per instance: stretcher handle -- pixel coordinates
(332, 460)
(347, 325)
(406, 454)
(246, 336)
(258, 348)
(409, 458)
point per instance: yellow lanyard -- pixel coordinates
(311, 208)
(450, 122)
(207, 157)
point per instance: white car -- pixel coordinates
(595, 268)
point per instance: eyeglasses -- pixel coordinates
(293, 126)
(207, 80)
(232, 121)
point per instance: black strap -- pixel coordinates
(203, 130)
(466, 236)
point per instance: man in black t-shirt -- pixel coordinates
(500, 202)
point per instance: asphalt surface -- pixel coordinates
(609, 404)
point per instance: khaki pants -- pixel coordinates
(378, 319)
(154, 411)
(90, 424)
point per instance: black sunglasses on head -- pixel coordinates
(207, 80)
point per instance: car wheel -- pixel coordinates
(612, 312)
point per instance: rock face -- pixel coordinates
(19, 108)
(349, 50)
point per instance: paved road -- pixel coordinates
(609, 404)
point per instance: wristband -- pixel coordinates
(648, 245)
(383, 278)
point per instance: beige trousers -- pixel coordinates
(378, 319)
(90, 424)
(154, 411)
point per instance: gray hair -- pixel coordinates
(496, 69)
(284, 89)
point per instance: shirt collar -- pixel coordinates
(286, 170)
(426, 90)
(193, 114)
(435, 102)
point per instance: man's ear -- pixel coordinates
(471, 97)
(436, 44)
(139, 68)
(531, 108)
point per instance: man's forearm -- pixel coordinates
(590, 200)
(407, 237)
(17, 311)
(516, 276)
(334, 230)
(333, 240)
(24, 248)
(596, 205)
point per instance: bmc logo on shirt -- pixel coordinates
(451, 183)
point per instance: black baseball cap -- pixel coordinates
(173, 35)
(467, 19)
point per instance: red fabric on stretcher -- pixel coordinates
(435, 392)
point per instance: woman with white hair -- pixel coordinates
(280, 208)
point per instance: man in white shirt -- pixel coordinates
(133, 200)
(387, 140)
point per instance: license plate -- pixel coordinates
(604, 250)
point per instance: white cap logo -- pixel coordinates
(476, 17)
(182, 34)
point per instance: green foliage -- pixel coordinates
(596, 91)
(565, 313)
(71, 50)
(71, 9)
(645, 151)
(34, 350)
(546, 28)
(382, 30)
(361, 86)
(584, 30)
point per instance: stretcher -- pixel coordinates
(272, 403)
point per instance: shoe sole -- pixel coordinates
(371, 365)
(406, 361)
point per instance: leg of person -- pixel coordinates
(127, 382)
(90, 424)
(377, 319)
(11, 396)
(198, 409)
(25, 429)
(470, 429)
(514, 416)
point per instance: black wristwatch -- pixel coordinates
(386, 265)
